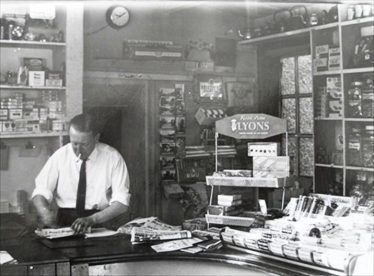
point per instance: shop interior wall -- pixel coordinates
(103, 53)
(152, 21)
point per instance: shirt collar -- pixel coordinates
(91, 157)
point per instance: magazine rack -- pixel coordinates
(246, 126)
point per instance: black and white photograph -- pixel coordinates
(186, 137)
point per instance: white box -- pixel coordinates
(4, 114)
(15, 114)
(36, 78)
(367, 31)
(321, 50)
(271, 163)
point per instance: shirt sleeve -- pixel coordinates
(120, 183)
(46, 181)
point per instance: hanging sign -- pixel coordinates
(251, 126)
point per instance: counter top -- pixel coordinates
(31, 249)
(117, 249)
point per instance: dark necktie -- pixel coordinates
(81, 193)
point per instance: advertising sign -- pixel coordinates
(251, 126)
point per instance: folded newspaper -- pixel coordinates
(175, 245)
(56, 233)
(140, 234)
(147, 223)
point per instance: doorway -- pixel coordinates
(120, 107)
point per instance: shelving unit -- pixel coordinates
(330, 175)
(57, 57)
(34, 135)
(23, 87)
(332, 132)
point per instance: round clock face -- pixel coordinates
(117, 16)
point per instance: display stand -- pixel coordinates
(246, 126)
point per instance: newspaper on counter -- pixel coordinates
(140, 234)
(192, 250)
(175, 245)
(56, 233)
(6, 258)
(147, 223)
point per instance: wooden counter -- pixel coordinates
(38, 256)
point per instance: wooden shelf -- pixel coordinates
(22, 87)
(360, 169)
(327, 119)
(32, 135)
(332, 166)
(358, 70)
(358, 21)
(359, 120)
(327, 73)
(31, 44)
(293, 33)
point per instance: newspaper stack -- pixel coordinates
(147, 223)
(140, 234)
(152, 229)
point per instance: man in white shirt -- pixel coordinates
(88, 180)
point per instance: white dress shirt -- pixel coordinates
(107, 178)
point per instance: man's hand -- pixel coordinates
(81, 225)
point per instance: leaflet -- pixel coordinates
(68, 232)
(139, 234)
(175, 245)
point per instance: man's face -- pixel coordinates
(83, 143)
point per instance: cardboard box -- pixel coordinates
(4, 114)
(207, 116)
(335, 106)
(263, 149)
(191, 65)
(271, 163)
(31, 114)
(54, 79)
(36, 78)
(220, 210)
(206, 66)
(229, 198)
(334, 63)
(58, 125)
(367, 31)
(334, 51)
(15, 114)
(333, 87)
(8, 126)
(320, 64)
(321, 50)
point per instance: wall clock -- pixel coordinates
(117, 16)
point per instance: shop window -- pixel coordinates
(297, 108)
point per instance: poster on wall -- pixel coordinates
(241, 93)
(209, 89)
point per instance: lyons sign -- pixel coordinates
(251, 126)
